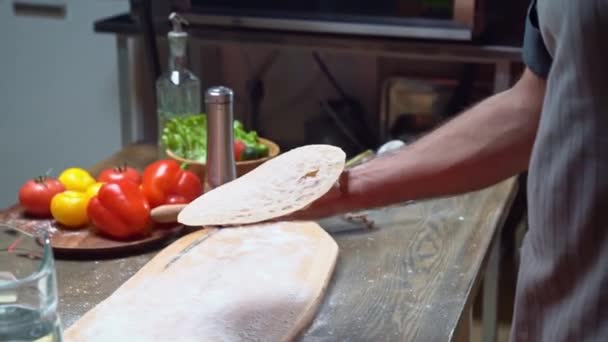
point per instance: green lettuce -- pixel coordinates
(186, 136)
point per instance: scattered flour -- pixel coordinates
(240, 284)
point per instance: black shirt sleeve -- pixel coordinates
(535, 54)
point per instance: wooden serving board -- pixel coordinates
(85, 242)
(254, 283)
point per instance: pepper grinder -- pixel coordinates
(221, 167)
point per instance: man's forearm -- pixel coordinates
(490, 142)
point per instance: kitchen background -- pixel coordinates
(60, 98)
(58, 90)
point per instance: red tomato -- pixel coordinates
(36, 194)
(239, 147)
(119, 173)
(164, 182)
(120, 210)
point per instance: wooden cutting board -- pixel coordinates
(255, 283)
(86, 242)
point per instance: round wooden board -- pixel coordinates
(84, 242)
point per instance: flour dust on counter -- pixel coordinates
(257, 283)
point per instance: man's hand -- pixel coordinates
(334, 202)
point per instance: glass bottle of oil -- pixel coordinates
(177, 90)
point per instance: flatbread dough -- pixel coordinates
(280, 186)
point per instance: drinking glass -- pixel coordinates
(28, 288)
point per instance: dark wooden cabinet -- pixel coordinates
(444, 20)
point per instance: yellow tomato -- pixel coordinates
(76, 179)
(70, 208)
(94, 189)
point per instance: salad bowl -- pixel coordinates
(242, 167)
